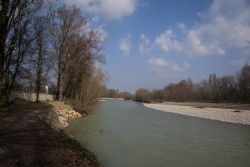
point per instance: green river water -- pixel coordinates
(127, 134)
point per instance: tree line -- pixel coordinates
(116, 93)
(43, 43)
(228, 88)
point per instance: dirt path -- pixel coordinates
(26, 140)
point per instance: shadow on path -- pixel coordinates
(27, 140)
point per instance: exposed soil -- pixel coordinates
(27, 140)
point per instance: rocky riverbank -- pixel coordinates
(60, 114)
(220, 114)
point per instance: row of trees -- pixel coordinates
(15, 40)
(41, 44)
(232, 88)
(116, 93)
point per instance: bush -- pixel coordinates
(142, 95)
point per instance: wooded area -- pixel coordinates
(231, 88)
(46, 44)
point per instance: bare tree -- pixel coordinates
(39, 56)
(67, 21)
(74, 46)
(142, 95)
(15, 38)
(90, 90)
(230, 88)
(244, 83)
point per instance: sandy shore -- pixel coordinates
(226, 115)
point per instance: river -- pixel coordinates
(127, 134)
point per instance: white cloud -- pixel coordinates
(167, 42)
(144, 44)
(110, 9)
(159, 62)
(117, 9)
(196, 45)
(125, 45)
(160, 65)
(167, 70)
(224, 26)
(182, 28)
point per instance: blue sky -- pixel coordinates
(151, 43)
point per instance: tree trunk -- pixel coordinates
(38, 82)
(38, 85)
(58, 85)
(3, 31)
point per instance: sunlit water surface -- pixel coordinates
(127, 134)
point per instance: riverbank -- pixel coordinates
(236, 106)
(231, 114)
(58, 119)
(32, 135)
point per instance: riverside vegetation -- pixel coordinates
(46, 46)
(224, 89)
(231, 88)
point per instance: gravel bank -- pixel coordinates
(225, 115)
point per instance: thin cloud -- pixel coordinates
(162, 65)
(158, 62)
(125, 45)
(109, 9)
(102, 33)
(144, 45)
(167, 42)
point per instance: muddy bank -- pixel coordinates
(27, 140)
